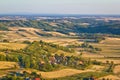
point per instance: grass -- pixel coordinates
(7, 65)
(103, 60)
(110, 47)
(97, 67)
(65, 53)
(59, 73)
(117, 69)
(84, 75)
(2, 53)
(14, 46)
(56, 33)
(111, 77)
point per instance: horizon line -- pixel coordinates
(57, 14)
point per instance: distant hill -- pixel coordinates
(65, 26)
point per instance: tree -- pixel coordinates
(2, 58)
(27, 42)
(27, 62)
(25, 73)
(34, 74)
(5, 40)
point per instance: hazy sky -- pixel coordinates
(60, 6)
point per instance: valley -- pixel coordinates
(59, 49)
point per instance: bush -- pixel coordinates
(5, 40)
(27, 42)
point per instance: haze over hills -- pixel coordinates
(41, 46)
(65, 24)
(59, 40)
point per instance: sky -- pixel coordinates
(60, 6)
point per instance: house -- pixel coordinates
(41, 62)
(92, 78)
(81, 62)
(27, 78)
(37, 79)
(52, 60)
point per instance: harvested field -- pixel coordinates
(7, 65)
(110, 47)
(60, 73)
(117, 69)
(111, 77)
(13, 46)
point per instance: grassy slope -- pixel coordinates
(110, 47)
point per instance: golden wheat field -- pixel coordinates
(14, 46)
(111, 77)
(59, 73)
(7, 65)
(117, 69)
(110, 47)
